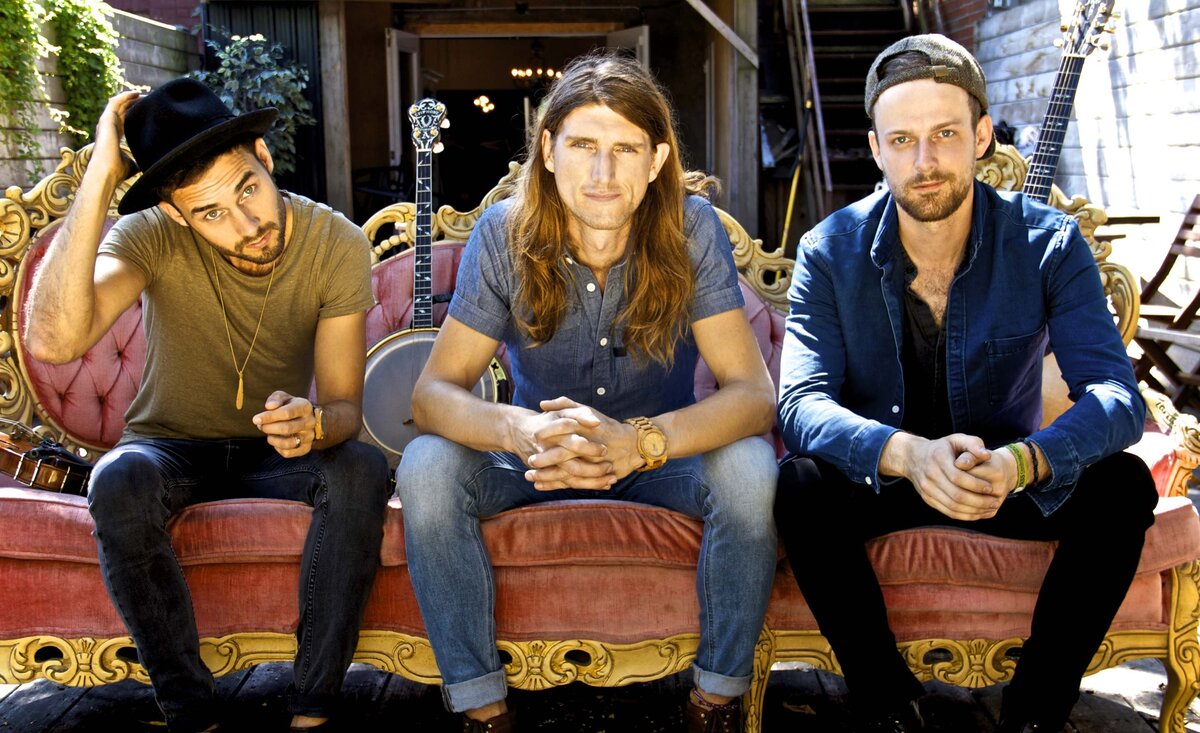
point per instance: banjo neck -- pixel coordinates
(423, 244)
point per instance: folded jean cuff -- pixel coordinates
(463, 696)
(719, 684)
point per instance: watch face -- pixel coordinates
(655, 443)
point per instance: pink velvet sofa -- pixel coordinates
(598, 592)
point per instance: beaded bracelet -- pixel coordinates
(1033, 456)
(1020, 459)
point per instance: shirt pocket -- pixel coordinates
(1011, 363)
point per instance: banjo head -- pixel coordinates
(393, 366)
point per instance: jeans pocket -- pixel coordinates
(1011, 363)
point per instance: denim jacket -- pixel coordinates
(1028, 283)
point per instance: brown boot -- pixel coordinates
(716, 719)
(503, 723)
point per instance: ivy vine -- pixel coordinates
(87, 66)
(21, 89)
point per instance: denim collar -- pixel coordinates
(886, 243)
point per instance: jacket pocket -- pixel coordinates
(1012, 363)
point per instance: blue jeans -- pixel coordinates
(447, 488)
(139, 485)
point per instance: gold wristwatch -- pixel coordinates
(319, 416)
(652, 443)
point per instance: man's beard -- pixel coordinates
(274, 247)
(934, 206)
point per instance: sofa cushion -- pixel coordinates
(935, 579)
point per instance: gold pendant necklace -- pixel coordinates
(241, 382)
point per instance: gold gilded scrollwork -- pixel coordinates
(457, 225)
(15, 230)
(752, 701)
(1184, 430)
(236, 652)
(404, 216)
(769, 273)
(82, 662)
(538, 665)
(1121, 289)
(1183, 661)
(408, 656)
(1004, 170)
(972, 663)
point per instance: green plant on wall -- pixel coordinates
(251, 75)
(87, 62)
(21, 87)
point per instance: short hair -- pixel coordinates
(187, 176)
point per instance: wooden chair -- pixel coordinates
(1169, 325)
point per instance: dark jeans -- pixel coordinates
(824, 519)
(139, 485)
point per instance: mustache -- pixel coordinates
(262, 232)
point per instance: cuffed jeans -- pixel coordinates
(447, 488)
(824, 519)
(139, 485)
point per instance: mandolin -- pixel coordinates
(40, 463)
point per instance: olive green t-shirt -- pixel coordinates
(189, 386)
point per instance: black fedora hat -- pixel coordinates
(176, 125)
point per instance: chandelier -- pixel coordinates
(535, 73)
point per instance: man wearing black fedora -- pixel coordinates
(248, 293)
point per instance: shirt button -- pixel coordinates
(604, 341)
(591, 287)
(895, 409)
(600, 391)
(868, 480)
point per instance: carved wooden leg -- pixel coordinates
(1183, 648)
(752, 701)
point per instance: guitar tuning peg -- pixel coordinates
(1110, 27)
(445, 124)
(1104, 45)
(1058, 43)
(1064, 27)
(1115, 15)
(438, 147)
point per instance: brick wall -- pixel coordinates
(960, 18)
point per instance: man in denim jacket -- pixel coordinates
(911, 395)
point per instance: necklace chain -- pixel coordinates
(229, 335)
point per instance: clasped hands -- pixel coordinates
(572, 446)
(289, 424)
(958, 475)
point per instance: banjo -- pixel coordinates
(394, 363)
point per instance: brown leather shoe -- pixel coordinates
(720, 719)
(503, 723)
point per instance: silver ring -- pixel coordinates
(299, 442)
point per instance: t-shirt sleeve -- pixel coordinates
(717, 288)
(348, 287)
(483, 291)
(138, 239)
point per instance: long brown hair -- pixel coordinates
(658, 280)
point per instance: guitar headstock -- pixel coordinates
(1092, 19)
(428, 118)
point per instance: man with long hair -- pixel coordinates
(911, 395)
(605, 279)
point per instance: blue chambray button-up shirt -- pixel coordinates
(586, 359)
(1028, 279)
